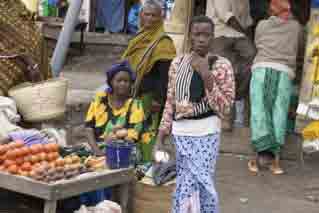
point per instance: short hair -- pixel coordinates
(158, 4)
(202, 19)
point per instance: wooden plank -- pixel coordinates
(91, 182)
(25, 186)
(89, 37)
(124, 191)
(50, 206)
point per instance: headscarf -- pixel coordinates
(146, 48)
(281, 8)
(122, 66)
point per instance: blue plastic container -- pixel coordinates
(118, 155)
(315, 3)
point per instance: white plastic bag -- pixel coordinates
(105, 206)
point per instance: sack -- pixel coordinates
(105, 206)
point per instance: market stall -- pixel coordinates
(308, 98)
(52, 192)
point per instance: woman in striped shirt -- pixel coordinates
(201, 90)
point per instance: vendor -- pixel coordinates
(114, 114)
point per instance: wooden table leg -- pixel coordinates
(50, 206)
(124, 191)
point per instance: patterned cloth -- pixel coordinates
(195, 161)
(270, 92)
(220, 98)
(102, 117)
(19, 35)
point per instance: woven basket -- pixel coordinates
(41, 101)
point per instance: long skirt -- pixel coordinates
(195, 162)
(270, 92)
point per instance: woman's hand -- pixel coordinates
(110, 137)
(184, 109)
(92, 142)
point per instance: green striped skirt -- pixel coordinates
(270, 92)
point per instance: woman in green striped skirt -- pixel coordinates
(271, 84)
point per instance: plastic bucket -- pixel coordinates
(315, 3)
(118, 155)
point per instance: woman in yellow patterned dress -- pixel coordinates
(21, 46)
(114, 109)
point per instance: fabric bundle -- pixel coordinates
(9, 116)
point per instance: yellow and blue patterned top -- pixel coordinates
(102, 117)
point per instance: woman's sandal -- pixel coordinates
(276, 170)
(253, 167)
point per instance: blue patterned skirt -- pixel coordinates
(195, 162)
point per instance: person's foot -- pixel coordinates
(253, 167)
(276, 169)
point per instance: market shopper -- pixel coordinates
(271, 84)
(233, 41)
(21, 56)
(114, 109)
(150, 53)
(201, 90)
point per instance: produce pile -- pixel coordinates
(42, 162)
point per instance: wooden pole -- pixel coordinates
(177, 26)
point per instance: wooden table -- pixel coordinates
(51, 193)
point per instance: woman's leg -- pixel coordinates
(258, 119)
(280, 118)
(195, 162)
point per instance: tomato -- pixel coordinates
(26, 166)
(42, 156)
(10, 155)
(34, 159)
(2, 149)
(34, 149)
(19, 161)
(13, 169)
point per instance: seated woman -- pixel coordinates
(21, 57)
(111, 111)
(150, 53)
(114, 109)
